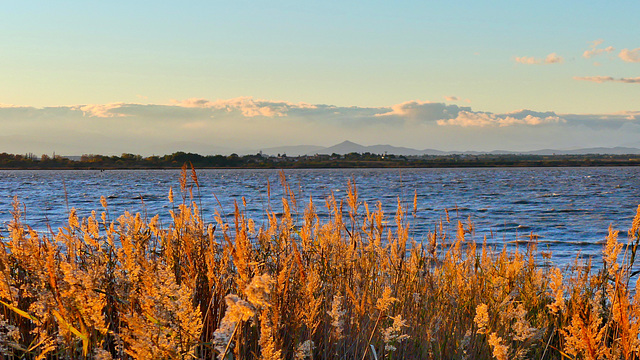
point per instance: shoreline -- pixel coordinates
(353, 165)
(368, 166)
(334, 161)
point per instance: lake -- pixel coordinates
(569, 209)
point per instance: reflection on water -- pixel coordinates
(569, 209)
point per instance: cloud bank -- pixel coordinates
(247, 124)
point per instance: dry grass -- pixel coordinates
(350, 287)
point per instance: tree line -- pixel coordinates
(351, 160)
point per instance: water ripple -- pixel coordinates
(569, 209)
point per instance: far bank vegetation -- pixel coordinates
(282, 161)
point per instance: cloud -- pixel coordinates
(247, 123)
(423, 110)
(594, 51)
(451, 98)
(453, 115)
(603, 121)
(100, 110)
(552, 58)
(620, 116)
(7, 106)
(248, 106)
(602, 79)
(629, 115)
(630, 55)
(483, 119)
(467, 119)
(528, 60)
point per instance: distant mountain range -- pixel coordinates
(347, 147)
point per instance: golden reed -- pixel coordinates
(349, 287)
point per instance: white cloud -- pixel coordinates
(422, 111)
(630, 55)
(480, 119)
(248, 106)
(602, 79)
(407, 108)
(453, 115)
(527, 60)
(552, 58)
(8, 106)
(594, 51)
(629, 115)
(467, 119)
(100, 110)
(192, 103)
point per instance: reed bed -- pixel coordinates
(353, 286)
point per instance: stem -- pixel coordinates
(226, 349)
(371, 337)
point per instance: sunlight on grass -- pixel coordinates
(354, 286)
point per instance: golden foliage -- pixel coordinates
(352, 286)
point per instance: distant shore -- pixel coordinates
(352, 160)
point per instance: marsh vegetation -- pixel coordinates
(356, 285)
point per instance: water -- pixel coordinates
(570, 209)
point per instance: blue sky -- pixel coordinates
(495, 58)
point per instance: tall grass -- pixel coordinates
(348, 287)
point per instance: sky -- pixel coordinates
(85, 77)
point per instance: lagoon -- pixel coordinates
(569, 209)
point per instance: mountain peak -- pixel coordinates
(347, 142)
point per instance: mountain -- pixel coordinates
(344, 147)
(395, 150)
(347, 147)
(434, 152)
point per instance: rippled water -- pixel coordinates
(569, 209)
